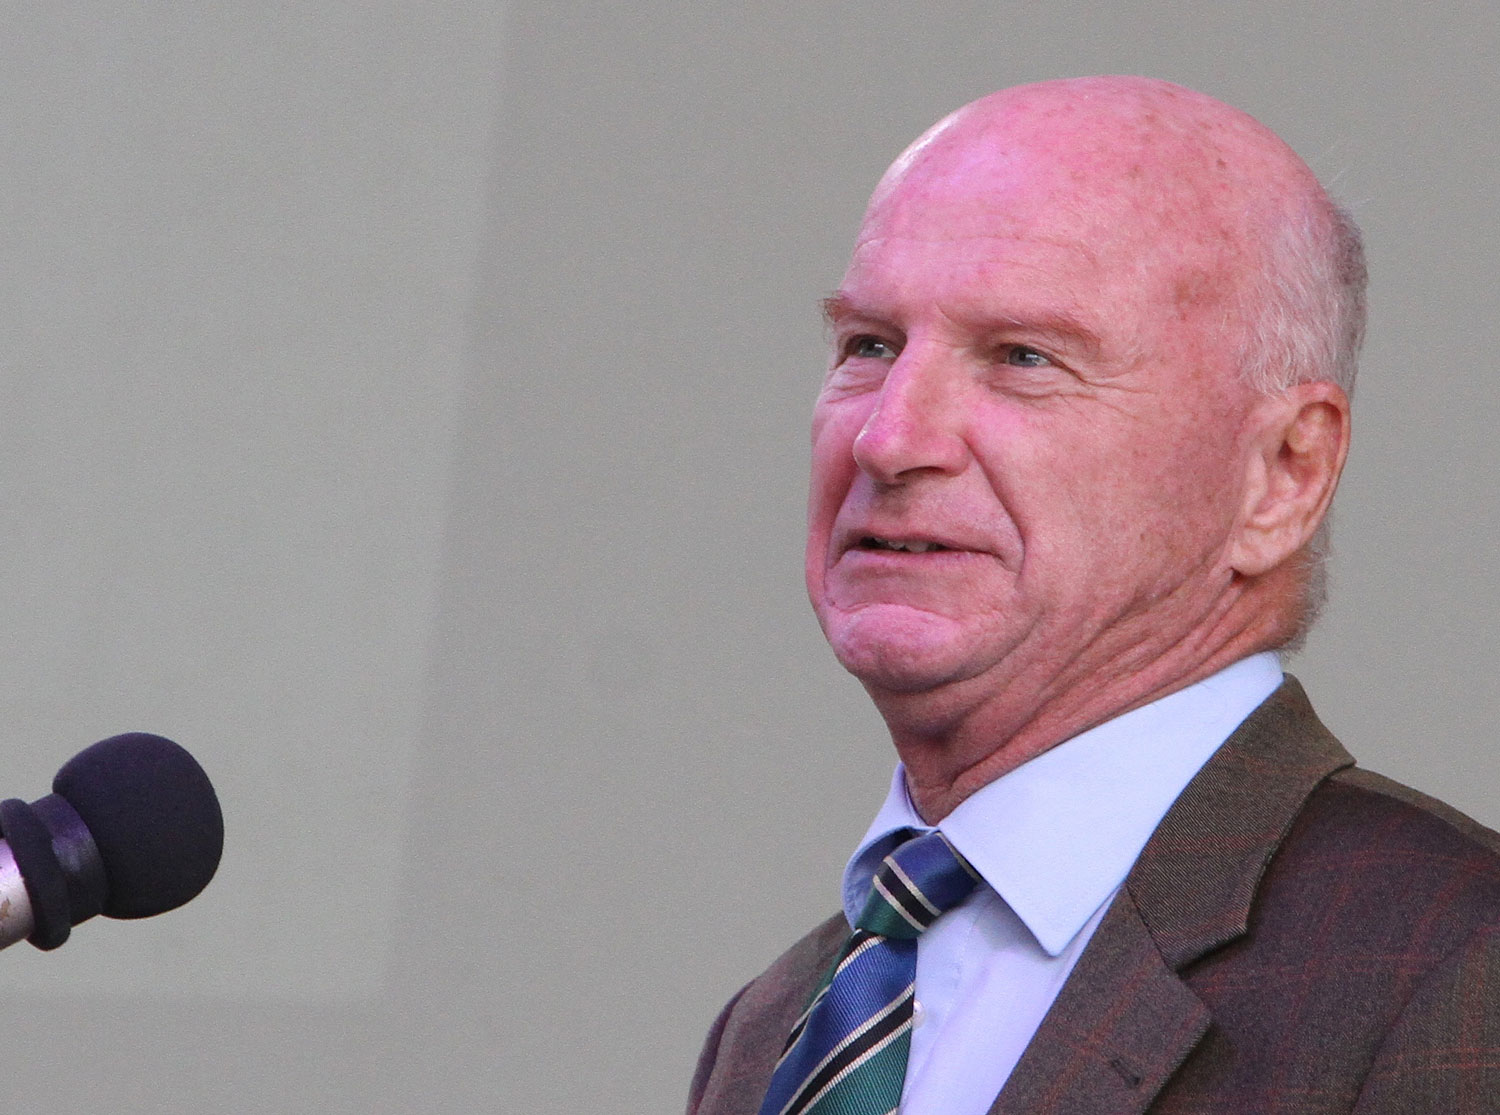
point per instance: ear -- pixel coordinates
(1300, 438)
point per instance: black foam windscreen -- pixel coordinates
(154, 817)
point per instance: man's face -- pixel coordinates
(1027, 452)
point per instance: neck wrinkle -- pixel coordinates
(950, 751)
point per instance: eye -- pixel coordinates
(1023, 356)
(866, 347)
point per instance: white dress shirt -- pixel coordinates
(1053, 841)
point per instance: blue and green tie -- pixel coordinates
(847, 1053)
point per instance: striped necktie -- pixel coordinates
(847, 1053)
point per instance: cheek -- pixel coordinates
(1200, 458)
(833, 472)
(1176, 498)
(833, 467)
(1100, 497)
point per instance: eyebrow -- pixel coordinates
(837, 306)
(1057, 328)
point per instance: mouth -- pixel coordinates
(903, 545)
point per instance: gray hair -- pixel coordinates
(1304, 323)
(1305, 309)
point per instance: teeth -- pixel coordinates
(908, 547)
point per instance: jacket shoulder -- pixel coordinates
(1366, 840)
(1374, 867)
(1373, 788)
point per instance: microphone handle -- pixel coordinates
(16, 921)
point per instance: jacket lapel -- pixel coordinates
(1122, 1024)
(1126, 1020)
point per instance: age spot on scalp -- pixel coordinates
(1192, 288)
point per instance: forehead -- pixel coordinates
(974, 275)
(1095, 227)
(1118, 219)
(984, 259)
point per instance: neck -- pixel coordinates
(958, 738)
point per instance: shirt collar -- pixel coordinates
(1056, 836)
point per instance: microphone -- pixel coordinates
(132, 828)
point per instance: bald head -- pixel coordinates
(1112, 135)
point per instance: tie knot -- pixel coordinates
(914, 884)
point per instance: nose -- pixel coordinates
(916, 426)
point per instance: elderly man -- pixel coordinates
(1086, 410)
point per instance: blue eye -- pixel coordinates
(871, 348)
(1022, 356)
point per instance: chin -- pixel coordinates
(899, 649)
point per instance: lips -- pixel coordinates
(903, 537)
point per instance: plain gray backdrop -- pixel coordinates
(405, 408)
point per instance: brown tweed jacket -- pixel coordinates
(1297, 936)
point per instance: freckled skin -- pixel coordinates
(1034, 365)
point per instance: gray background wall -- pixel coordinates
(404, 407)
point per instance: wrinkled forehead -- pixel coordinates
(1142, 172)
